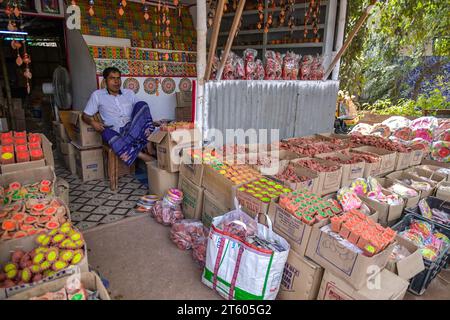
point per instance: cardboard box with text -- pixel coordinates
(89, 163)
(192, 198)
(159, 180)
(85, 135)
(211, 208)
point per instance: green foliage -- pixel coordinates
(407, 107)
(370, 68)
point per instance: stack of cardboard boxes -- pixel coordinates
(81, 147)
(183, 111)
(88, 149)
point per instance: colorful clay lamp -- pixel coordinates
(23, 156)
(7, 141)
(7, 158)
(9, 149)
(34, 145)
(37, 154)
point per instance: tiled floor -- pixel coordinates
(93, 203)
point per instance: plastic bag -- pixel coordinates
(228, 68)
(250, 64)
(273, 65)
(199, 246)
(440, 151)
(306, 67)
(260, 74)
(290, 66)
(184, 232)
(380, 130)
(362, 128)
(397, 122)
(317, 70)
(168, 211)
(239, 68)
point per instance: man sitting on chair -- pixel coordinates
(127, 122)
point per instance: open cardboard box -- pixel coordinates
(388, 214)
(436, 163)
(403, 160)
(351, 266)
(277, 160)
(388, 158)
(83, 134)
(426, 174)
(211, 208)
(311, 185)
(301, 279)
(410, 202)
(221, 188)
(417, 157)
(371, 169)
(189, 169)
(350, 172)
(192, 198)
(169, 146)
(90, 281)
(401, 175)
(442, 193)
(29, 176)
(159, 180)
(47, 161)
(328, 181)
(27, 244)
(411, 265)
(384, 286)
(436, 169)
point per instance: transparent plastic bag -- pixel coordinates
(184, 232)
(273, 66)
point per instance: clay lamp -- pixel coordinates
(21, 148)
(7, 141)
(9, 225)
(20, 140)
(18, 217)
(23, 156)
(20, 134)
(5, 135)
(9, 148)
(14, 186)
(37, 154)
(34, 145)
(46, 183)
(45, 189)
(7, 158)
(38, 207)
(50, 211)
(34, 138)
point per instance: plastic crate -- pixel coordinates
(421, 281)
(434, 202)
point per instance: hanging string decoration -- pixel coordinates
(282, 17)
(269, 21)
(121, 11)
(260, 8)
(291, 10)
(312, 13)
(91, 8)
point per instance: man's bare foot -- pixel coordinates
(145, 157)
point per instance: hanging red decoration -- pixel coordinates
(91, 8)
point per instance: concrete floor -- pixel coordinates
(139, 260)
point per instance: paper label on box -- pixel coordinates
(334, 293)
(289, 275)
(356, 172)
(290, 226)
(331, 180)
(251, 204)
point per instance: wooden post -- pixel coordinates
(9, 108)
(201, 63)
(214, 36)
(234, 26)
(340, 35)
(352, 34)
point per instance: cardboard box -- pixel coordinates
(192, 198)
(159, 181)
(21, 124)
(221, 188)
(211, 208)
(417, 157)
(189, 169)
(441, 193)
(436, 169)
(427, 174)
(89, 163)
(403, 160)
(252, 206)
(301, 279)
(70, 161)
(63, 146)
(170, 144)
(62, 190)
(183, 114)
(90, 280)
(401, 175)
(328, 181)
(184, 99)
(411, 265)
(27, 244)
(353, 267)
(371, 169)
(436, 163)
(388, 158)
(60, 131)
(410, 202)
(350, 172)
(296, 233)
(29, 176)
(4, 125)
(311, 185)
(278, 159)
(85, 135)
(388, 214)
(385, 286)
(47, 161)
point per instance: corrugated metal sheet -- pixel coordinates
(296, 108)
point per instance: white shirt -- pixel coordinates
(114, 110)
